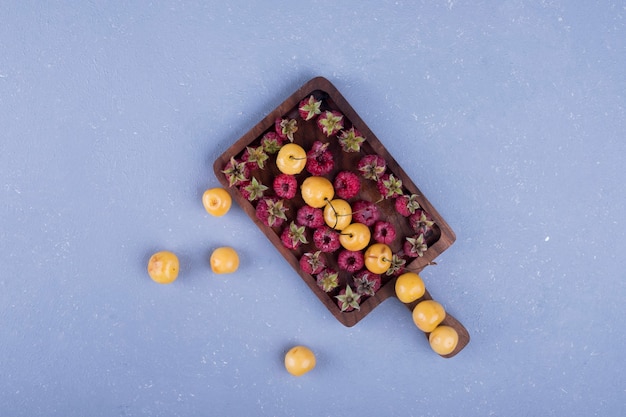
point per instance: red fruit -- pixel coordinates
(415, 246)
(285, 128)
(236, 172)
(372, 167)
(350, 261)
(271, 211)
(255, 157)
(326, 239)
(293, 236)
(348, 300)
(350, 140)
(389, 186)
(330, 122)
(367, 283)
(384, 232)
(406, 204)
(421, 221)
(271, 142)
(312, 262)
(310, 217)
(319, 159)
(347, 185)
(285, 186)
(309, 108)
(252, 190)
(327, 280)
(365, 212)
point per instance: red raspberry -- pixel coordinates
(326, 239)
(312, 262)
(271, 142)
(285, 128)
(367, 283)
(293, 236)
(327, 280)
(271, 211)
(365, 212)
(285, 186)
(330, 122)
(310, 217)
(389, 186)
(348, 300)
(415, 246)
(309, 107)
(319, 159)
(372, 167)
(421, 221)
(350, 261)
(347, 185)
(384, 232)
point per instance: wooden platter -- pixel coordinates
(438, 237)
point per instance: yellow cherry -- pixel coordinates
(377, 258)
(224, 260)
(291, 159)
(317, 191)
(163, 267)
(443, 340)
(428, 314)
(216, 201)
(409, 287)
(337, 214)
(299, 360)
(355, 237)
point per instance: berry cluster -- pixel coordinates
(333, 226)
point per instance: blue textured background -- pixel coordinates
(509, 115)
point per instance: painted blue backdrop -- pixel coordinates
(509, 115)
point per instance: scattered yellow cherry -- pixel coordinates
(217, 201)
(299, 360)
(377, 258)
(224, 260)
(428, 314)
(163, 267)
(337, 214)
(355, 237)
(317, 191)
(443, 340)
(409, 287)
(291, 159)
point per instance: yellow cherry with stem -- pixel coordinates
(337, 214)
(291, 159)
(355, 237)
(378, 258)
(317, 191)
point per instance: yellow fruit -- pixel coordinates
(216, 201)
(355, 237)
(337, 214)
(299, 360)
(377, 258)
(317, 191)
(224, 260)
(409, 287)
(428, 314)
(443, 340)
(291, 159)
(163, 267)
